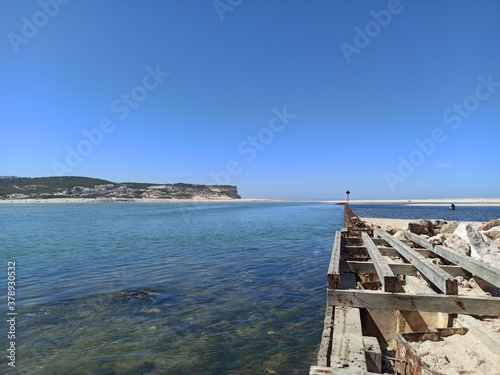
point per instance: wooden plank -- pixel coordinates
(347, 343)
(436, 275)
(384, 250)
(333, 267)
(397, 268)
(483, 270)
(474, 266)
(418, 286)
(384, 272)
(451, 304)
(326, 338)
(484, 334)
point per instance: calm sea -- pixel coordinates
(234, 288)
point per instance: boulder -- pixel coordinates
(390, 230)
(439, 239)
(449, 227)
(437, 224)
(490, 224)
(492, 233)
(480, 245)
(421, 227)
(457, 244)
(399, 235)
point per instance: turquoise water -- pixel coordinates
(234, 288)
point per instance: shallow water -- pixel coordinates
(234, 288)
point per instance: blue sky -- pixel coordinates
(289, 99)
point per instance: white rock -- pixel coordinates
(399, 235)
(480, 245)
(458, 244)
(492, 233)
(449, 227)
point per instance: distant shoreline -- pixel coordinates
(131, 200)
(492, 202)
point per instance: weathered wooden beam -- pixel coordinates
(325, 347)
(397, 268)
(436, 275)
(333, 267)
(384, 272)
(451, 304)
(384, 250)
(369, 267)
(347, 344)
(419, 286)
(474, 266)
(483, 270)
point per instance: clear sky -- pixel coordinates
(292, 99)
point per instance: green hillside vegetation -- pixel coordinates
(54, 184)
(85, 187)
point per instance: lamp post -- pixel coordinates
(347, 193)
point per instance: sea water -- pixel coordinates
(413, 212)
(172, 288)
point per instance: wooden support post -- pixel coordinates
(420, 320)
(347, 345)
(384, 272)
(451, 304)
(436, 275)
(333, 267)
(373, 354)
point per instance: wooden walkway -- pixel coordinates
(381, 291)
